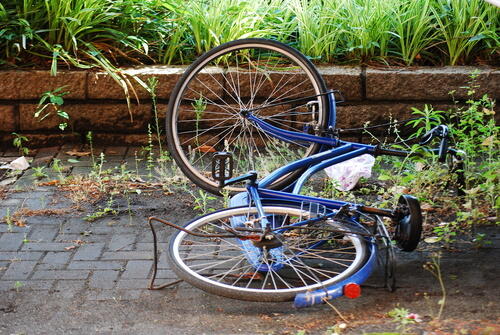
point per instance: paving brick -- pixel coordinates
(149, 246)
(12, 202)
(52, 221)
(11, 241)
(104, 279)
(56, 257)
(32, 194)
(19, 270)
(166, 274)
(60, 274)
(127, 255)
(89, 252)
(43, 233)
(137, 269)
(132, 284)
(5, 228)
(68, 289)
(120, 295)
(22, 285)
(23, 256)
(122, 242)
(42, 246)
(96, 265)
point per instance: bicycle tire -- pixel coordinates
(204, 116)
(409, 228)
(220, 265)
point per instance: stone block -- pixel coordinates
(32, 84)
(428, 83)
(102, 86)
(7, 119)
(343, 78)
(351, 116)
(84, 117)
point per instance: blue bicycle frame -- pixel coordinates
(258, 195)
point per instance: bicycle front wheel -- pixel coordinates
(270, 78)
(234, 268)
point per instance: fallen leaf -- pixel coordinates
(431, 240)
(205, 148)
(488, 111)
(488, 141)
(425, 207)
(50, 183)
(77, 153)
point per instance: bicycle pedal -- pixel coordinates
(222, 166)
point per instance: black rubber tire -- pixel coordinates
(253, 294)
(409, 228)
(181, 93)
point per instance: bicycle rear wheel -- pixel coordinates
(306, 260)
(204, 111)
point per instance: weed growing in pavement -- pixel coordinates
(201, 200)
(149, 151)
(38, 172)
(8, 220)
(107, 210)
(434, 267)
(19, 143)
(18, 285)
(89, 138)
(58, 168)
(403, 317)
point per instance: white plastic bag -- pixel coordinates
(17, 164)
(347, 173)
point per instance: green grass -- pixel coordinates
(105, 33)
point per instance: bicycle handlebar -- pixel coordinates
(443, 132)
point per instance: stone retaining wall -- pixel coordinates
(95, 102)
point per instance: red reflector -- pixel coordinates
(352, 290)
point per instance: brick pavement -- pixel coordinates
(65, 255)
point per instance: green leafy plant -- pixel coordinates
(51, 102)
(39, 173)
(18, 142)
(201, 200)
(403, 317)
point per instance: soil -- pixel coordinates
(470, 275)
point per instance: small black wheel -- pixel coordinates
(409, 223)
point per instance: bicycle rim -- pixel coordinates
(267, 77)
(307, 260)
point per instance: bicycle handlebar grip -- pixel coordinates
(443, 149)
